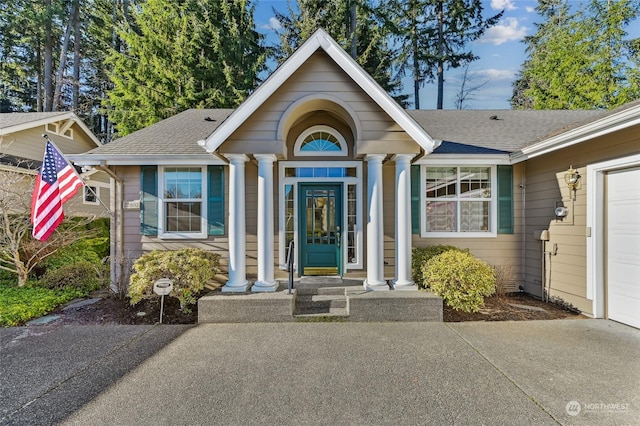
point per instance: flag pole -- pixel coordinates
(46, 137)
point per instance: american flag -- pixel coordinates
(56, 183)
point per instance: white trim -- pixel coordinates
(96, 189)
(9, 168)
(308, 103)
(54, 118)
(165, 235)
(297, 148)
(282, 181)
(464, 159)
(595, 128)
(595, 221)
(319, 40)
(493, 205)
(146, 160)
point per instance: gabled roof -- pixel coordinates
(12, 122)
(171, 140)
(320, 40)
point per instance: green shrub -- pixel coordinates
(190, 269)
(83, 276)
(20, 304)
(93, 249)
(421, 255)
(90, 250)
(460, 279)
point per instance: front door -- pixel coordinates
(320, 229)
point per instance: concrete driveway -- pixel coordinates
(537, 372)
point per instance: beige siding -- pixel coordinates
(136, 244)
(30, 143)
(503, 251)
(565, 256)
(319, 74)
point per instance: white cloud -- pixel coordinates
(508, 29)
(530, 9)
(496, 75)
(273, 24)
(502, 4)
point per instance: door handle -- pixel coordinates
(338, 235)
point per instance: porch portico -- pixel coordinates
(322, 132)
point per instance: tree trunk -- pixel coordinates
(48, 58)
(416, 62)
(39, 78)
(63, 56)
(354, 32)
(77, 40)
(440, 55)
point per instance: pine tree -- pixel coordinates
(180, 55)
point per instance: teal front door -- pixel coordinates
(320, 229)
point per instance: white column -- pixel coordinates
(266, 281)
(237, 226)
(375, 230)
(403, 222)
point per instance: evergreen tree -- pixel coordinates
(180, 55)
(357, 25)
(580, 60)
(434, 34)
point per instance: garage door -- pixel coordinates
(623, 246)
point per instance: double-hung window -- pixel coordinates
(182, 206)
(459, 201)
(182, 201)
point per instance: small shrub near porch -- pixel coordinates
(421, 255)
(460, 279)
(189, 269)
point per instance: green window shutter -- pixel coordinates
(215, 206)
(505, 200)
(415, 199)
(149, 200)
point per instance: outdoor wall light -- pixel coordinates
(572, 179)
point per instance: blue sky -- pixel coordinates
(500, 50)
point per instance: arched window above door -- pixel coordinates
(320, 140)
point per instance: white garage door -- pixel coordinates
(623, 246)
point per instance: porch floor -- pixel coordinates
(319, 299)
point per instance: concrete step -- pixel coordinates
(326, 291)
(320, 301)
(358, 305)
(320, 313)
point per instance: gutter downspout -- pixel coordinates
(523, 249)
(119, 228)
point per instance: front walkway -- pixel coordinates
(513, 373)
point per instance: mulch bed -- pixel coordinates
(500, 308)
(111, 310)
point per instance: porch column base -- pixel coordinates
(377, 286)
(403, 285)
(236, 287)
(265, 286)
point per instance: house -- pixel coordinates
(22, 149)
(320, 155)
